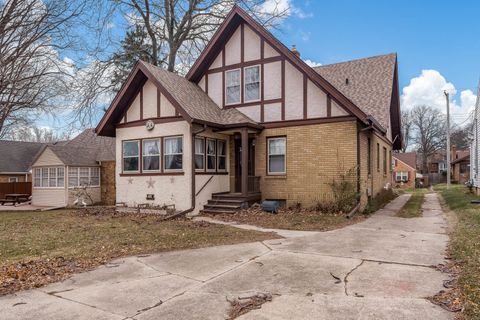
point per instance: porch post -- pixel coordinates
(244, 161)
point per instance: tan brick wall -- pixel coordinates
(107, 184)
(316, 154)
(379, 179)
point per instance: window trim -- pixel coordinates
(401, 174)
(244, 85)
(269, 173)
(203, 154)
(378, 157)
(138, 156)
(210, 155)
(384, 160)
(40, 186)
(159, 154)
(165, 154)
(226, 86)
(12, 179)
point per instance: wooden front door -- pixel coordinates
(238, 162)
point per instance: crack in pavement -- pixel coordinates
(345, 280)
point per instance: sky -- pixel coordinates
(437, 43)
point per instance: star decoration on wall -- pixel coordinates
(150, 183)
(130, 180)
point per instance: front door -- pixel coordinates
(238, 162)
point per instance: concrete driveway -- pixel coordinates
(377, 269)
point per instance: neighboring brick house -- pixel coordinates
(60, 170)
(405, 169)
(16, 158)
(251, 121)
(460, 165)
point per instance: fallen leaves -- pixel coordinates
(246, 303)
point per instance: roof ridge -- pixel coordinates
(356, 60)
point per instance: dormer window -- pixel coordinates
(252, 83)
(232, 86)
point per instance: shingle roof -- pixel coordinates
(409, 158)
(85, 149)
(196, 103)
(17, 156)
(369, 86)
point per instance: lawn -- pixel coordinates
(59, 243)
(291, 219)
(465, 245)
(413, 207)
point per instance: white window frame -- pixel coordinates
(77, 176)
(284, 157)
(222, 156)
(41, 177)
(214, 155)
(240, 87)
(12, 179)
(403, 175)
(153, 155)
(137, 156)
(165, 154)
(245, 83)
(202, 154)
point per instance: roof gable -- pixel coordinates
(230, 25)
(409, 158)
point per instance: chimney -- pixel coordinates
(295, 51)
(454, 153)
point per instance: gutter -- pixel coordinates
(193, 203)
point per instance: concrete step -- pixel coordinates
(222, 206)
(215, 201)
(218, 211)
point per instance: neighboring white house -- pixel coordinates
(60, 169)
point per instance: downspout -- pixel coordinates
(358, 166)
(193, 199)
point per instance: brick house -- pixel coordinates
(61, 169)
(404, 169)
(460, 165)
(252, 121)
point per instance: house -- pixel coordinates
(460, 165)
(405, 169)
(474, 147)
(82, 168)
(16, 159)
(252, 121)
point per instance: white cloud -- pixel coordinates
(428, 89)
(281, 6)
(312, 63)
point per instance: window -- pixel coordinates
(151, 155)
(401, 176)
(369, 156)
(252, 83)
(130, 156)
(49, 177)
(12, 179)
(173, 153)
(276, 155)
(211, 154)
(84, 176)
(222, 154)
(378, 157)
(232, 86)
(390, 160)
(199, 154)
(384, 160)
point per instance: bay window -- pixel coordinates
(211, 155)
(131, 154)
(252, 83)
(49, 177)
(151, 155)
(277, 155)
(173, 157)
(232, 86)
(199, 154)
(221, 155)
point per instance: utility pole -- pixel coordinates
(448, 138)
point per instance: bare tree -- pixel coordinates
(406, 128)
(166, 33)
(429, 129)
(32, 77)
(37, 134)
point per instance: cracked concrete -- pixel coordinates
(377, 269)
